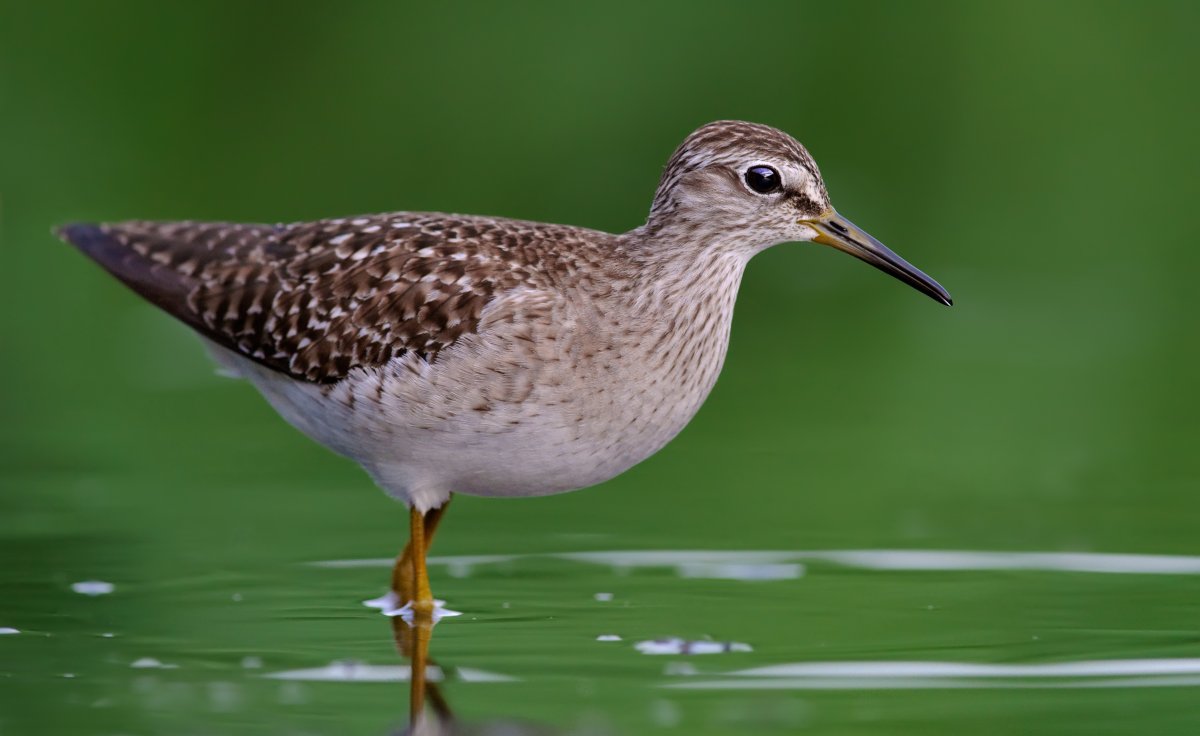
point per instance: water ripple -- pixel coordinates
(783, 565)
(1109, 673)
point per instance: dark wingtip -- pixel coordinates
(98, 243)
(81, 234)
(161, 286)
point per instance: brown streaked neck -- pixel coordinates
(670, 242)
(691, 275)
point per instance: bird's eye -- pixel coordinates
(763, 179)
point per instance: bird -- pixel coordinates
(455, 354)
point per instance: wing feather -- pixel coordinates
(317, 300)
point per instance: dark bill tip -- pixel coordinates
(838, 232)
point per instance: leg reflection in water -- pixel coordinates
(412, 641)
(412, 632)
(429, 713)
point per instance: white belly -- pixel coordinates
(522, 414)
(426, 432)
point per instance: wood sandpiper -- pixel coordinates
(487, 356)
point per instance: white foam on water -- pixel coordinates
(150, 663)
(782, 565)
(389, 605)
(740, 571)
(349, 671)
(440, 612)
(1047, 561)
(353, 671)
(837, 683)
(93, 587)
(1089, 668)
(470, 674)
(672, 558)
(1105, 673)
(906, 560)
(389, 601)
(364, 562)
(675, 645)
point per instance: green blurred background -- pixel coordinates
(1039, 159)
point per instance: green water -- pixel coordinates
(1038, 159)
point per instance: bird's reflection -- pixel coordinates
(429, 712)
(412, 641)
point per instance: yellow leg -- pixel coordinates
(403, 571)
(422, 600)
(410, 581)
(402, 580)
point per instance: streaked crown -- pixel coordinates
(740, 176)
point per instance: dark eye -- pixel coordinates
(763, 179)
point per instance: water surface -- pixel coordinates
(889, 518)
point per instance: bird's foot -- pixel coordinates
(389, 605)
(431, 611)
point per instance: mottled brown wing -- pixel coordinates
(312, 300)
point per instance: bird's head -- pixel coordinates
(731, 181)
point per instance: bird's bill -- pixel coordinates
(837, 231)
